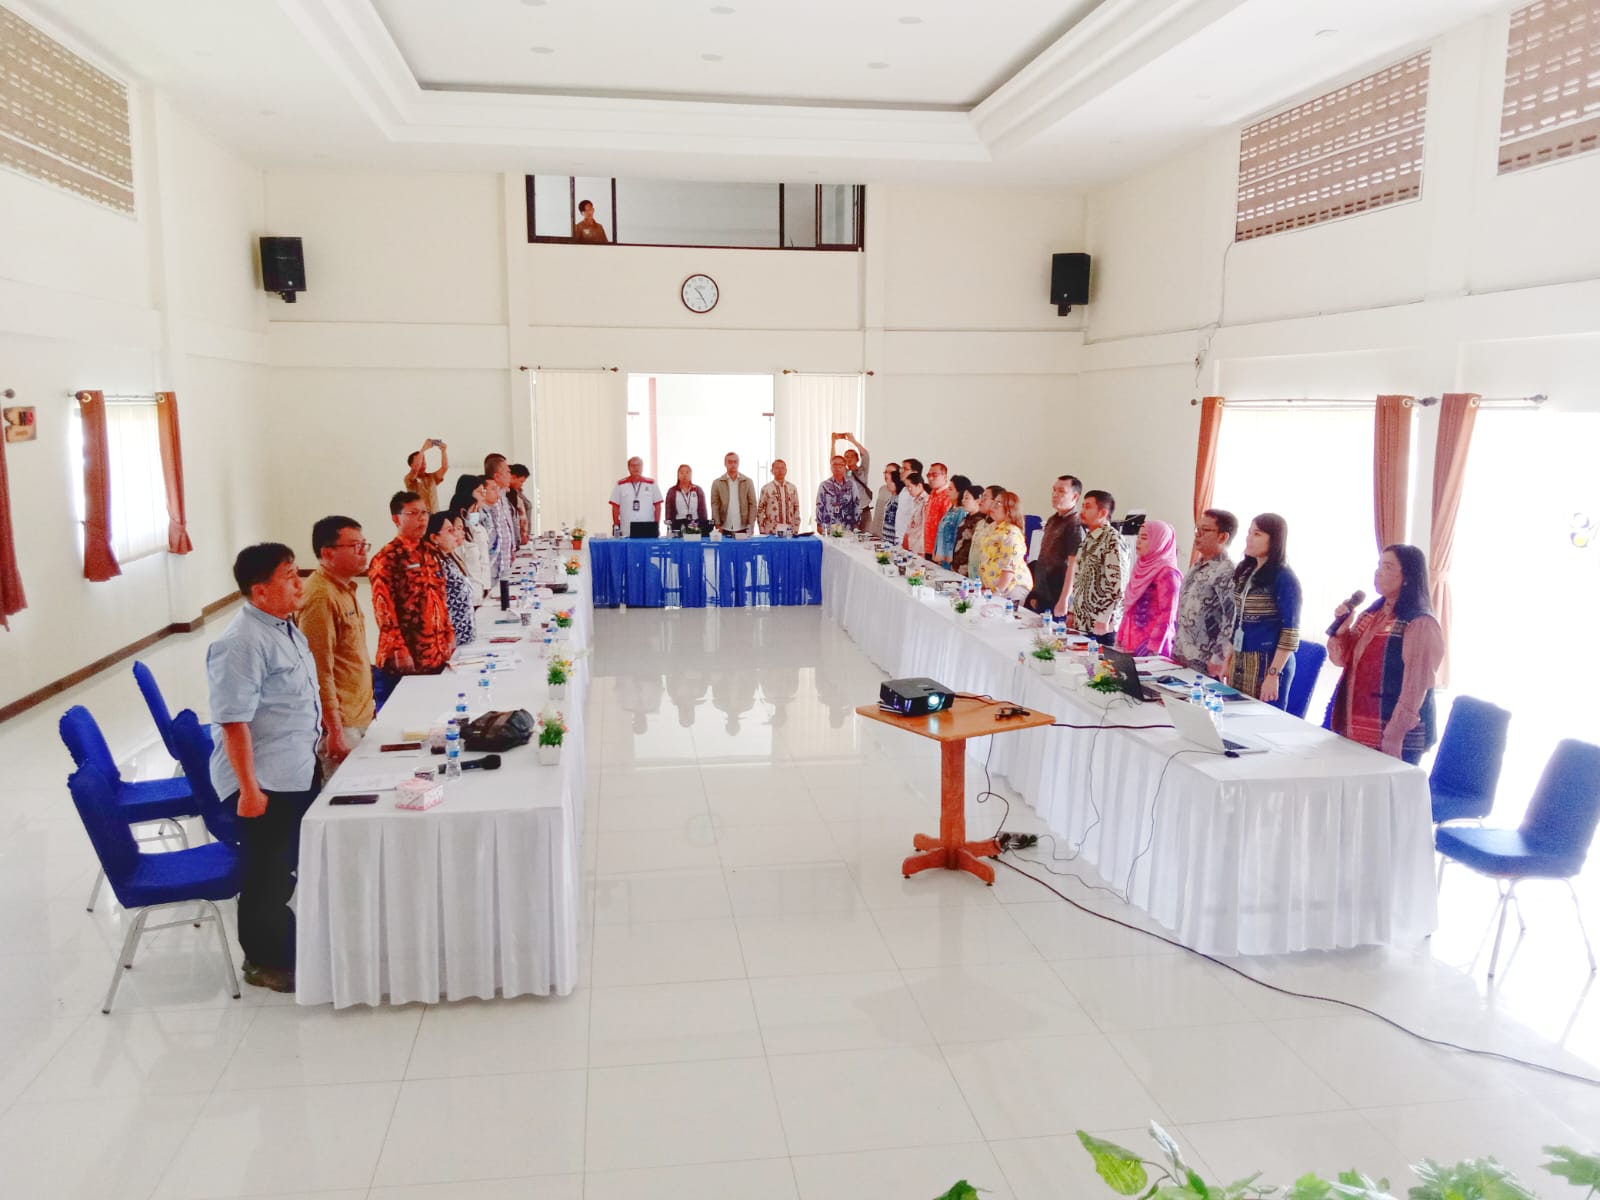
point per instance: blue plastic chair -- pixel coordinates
(1030, 522)
(1552, 842)
(166, 801)
(1466, 768)
(157, 704)
(145, 883)
(1308, 660)
(191, 744)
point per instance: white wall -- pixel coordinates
(167, 300)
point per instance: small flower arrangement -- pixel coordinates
(963, 605)
(578, 535)
(552, 727)
(1044, 648)
(558, 672)
(883, 558)
(574, 565)
(1104, 679)
(915, 577)
(563, 618)
(836, 531)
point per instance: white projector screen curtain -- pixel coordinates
(807, 409)
(580, 422)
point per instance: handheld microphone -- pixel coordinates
(489, 762)
(1356, 597)
(505, 594)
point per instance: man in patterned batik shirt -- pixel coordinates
(836, 498)
(409, 598)
(1101, 573)
(779, 503)
(1207, 601)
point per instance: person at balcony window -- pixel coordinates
(1390, 655)
(588, 229)
(1266, 622)
(1150, 605)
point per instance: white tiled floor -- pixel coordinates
(768, 1011)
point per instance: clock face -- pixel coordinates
(699, 293)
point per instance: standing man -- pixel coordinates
(409, 596)
(1058, 550)
(940, 497)
(262, 682)
(634, 497)
(520, 502)
(422, 481)
(502, 515)
(779, 504)
(1101, 573)
(733, 499)
(836, 498)
(1204, 635)
(859, 465)
(336, 631)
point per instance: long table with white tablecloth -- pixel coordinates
(477, 896)
(1319, 843)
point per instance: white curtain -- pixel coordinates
(807, 411)
(580, 422)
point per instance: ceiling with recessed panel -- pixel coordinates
(925, 53)
(1030, 92)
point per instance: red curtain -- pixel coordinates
(1458, 413)
(1205, 462)
(99, 561)
(172, 473)
(1391, 468)
(12, 599)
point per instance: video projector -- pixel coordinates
(914, 697)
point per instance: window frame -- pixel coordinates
(123, 545)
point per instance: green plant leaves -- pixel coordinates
(1473, 1179)
(1582, 1170)
(962, 1191)
(1122, 1169)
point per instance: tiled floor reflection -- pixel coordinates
(768, 1009)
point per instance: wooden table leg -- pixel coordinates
(950, 849)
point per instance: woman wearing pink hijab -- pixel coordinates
(1151, 603)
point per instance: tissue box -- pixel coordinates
(418, 794)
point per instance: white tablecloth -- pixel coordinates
(1321, 843)
(475, 896)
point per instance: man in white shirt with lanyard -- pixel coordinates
(635, 498)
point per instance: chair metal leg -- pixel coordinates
(125, 960)
(1578, 910)
(222, 941)
(94, 892)
(1438, 884)
(1500, 929)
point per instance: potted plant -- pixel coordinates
(556, 675)
(836, 531)
(886, 563)
(966, 609)
(552, 731)
(578, 535)
(915, 577)
(574, 565)
(1044, 654)
(563, 623)
(1126, 1173)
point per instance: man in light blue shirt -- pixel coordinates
(265, 701)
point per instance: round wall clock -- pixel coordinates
(699, 293)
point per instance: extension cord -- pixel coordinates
(1015, 841)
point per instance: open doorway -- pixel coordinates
(697, 419)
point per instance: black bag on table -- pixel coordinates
(495, 732)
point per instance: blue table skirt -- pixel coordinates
(670, 572)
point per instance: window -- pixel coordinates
(1551, 107)
(671, 212)
(1353, 150)
(62, 121)
(138, 489)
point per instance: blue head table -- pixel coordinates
(673, 573)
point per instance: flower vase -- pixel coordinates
(558, 691)
(577, 543)
(550, 756)
(1045, 666)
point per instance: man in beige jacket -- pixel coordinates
(733, 499)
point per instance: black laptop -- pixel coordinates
(1127, 674)
(644, 529)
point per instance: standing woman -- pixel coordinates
(1151, 602)
(1390, 655)
(444, 537)
(971, 515)
(1004, 569)
(1266, 623)
(910, 513)
(944, 542)
(883, 508)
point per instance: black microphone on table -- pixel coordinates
(489, 762)
(1356, 597)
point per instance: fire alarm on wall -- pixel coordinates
(21, 422)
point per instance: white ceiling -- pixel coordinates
(1049, 92)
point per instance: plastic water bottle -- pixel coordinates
(1214, 707)
(452, 751)
(1197, 694)
(485, 689)
(1011, 611)
(461, 707)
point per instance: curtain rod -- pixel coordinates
(1309, 402)
(125, 397)
(1534, 401)
(580, 370)
(789, 371)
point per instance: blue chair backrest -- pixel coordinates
(1308, 660)
(87, 744)
(1030, 522)
(95, 797)
(1472, 749)
(156, 703)
(191, 746)
(1565, 808)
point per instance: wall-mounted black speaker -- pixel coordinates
(283, 266)
(1069, 281)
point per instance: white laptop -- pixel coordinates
(1193, 724)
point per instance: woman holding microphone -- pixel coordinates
(1390, 654)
